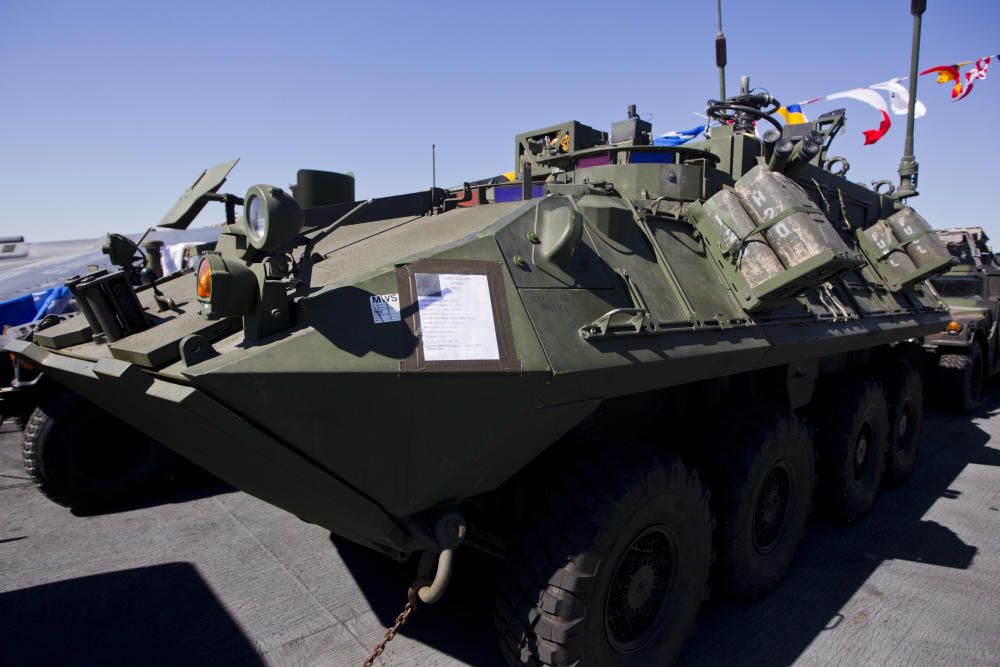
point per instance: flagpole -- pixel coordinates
(908, 166)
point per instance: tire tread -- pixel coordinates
(581, 499)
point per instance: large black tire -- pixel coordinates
(905, 396)
(960, 380)
(610, 567)
(852, 429)
(83, 458)
(761, 477)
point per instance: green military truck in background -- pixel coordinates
(966, 353)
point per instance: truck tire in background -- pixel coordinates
(83, 458)
(611, 564)
(960, 380)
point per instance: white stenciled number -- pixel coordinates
(727, 234)
(782, 230)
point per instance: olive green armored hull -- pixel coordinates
(431, 357)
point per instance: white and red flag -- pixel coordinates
(873, 99)
(975, 73)
(899, 98)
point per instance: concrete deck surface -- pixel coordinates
(211, 576)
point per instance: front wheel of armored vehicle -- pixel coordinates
(83, 458)
(960, 379)
(852, 429)
(761, 477)
(611, 565)
(905, 396)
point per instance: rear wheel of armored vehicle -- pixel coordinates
(83, 458)
(611, 565)
(852, 428)
(761, 478)
(905, 398)
(960, 380)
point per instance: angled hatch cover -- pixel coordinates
(189, 205)
(457, 311)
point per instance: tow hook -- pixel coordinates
(449, 531)
(430, 590)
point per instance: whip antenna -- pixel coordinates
(720, 52)
(908, 166)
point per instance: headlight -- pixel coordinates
(953, 327)
(272, 219)
(226, 288)
(255, 220)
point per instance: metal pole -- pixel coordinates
(720, 52)
(908, 166)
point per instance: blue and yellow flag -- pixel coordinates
(793, 114)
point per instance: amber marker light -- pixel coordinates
(953, 327)
(204, 280)
(227, 287)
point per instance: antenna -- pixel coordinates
(720, 53)
(908, 166)
(434, 169)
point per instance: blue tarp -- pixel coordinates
(17, 311)
(31, 307)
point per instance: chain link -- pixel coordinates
(391, 632)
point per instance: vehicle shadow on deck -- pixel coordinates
(159, 615)
(832, 564)
(189, 483)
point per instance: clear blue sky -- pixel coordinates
(110, 109)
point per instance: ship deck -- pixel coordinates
(208, 575)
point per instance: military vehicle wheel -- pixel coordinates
(611, 566)
(83, 458)
(960, 379)
(851, 440)
(906, 415)
(761, 478)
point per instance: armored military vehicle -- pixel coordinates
(966, 354)
(604, 370)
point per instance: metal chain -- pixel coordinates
(391, 632)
